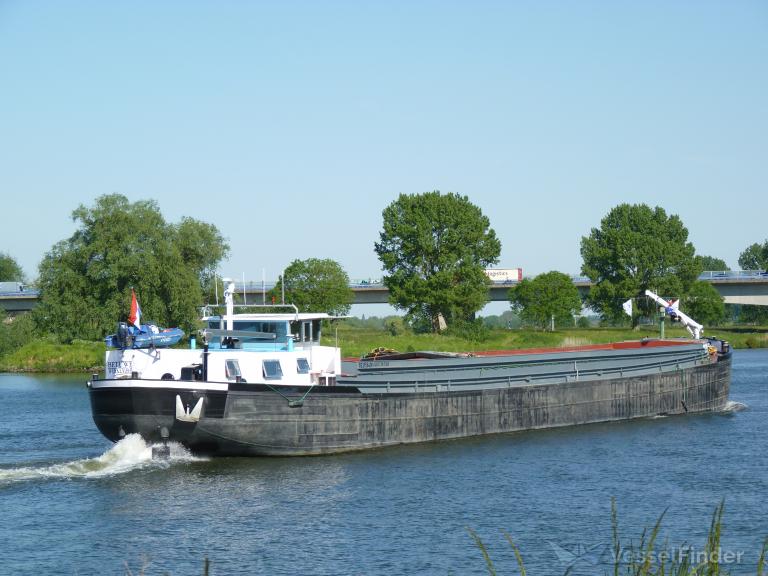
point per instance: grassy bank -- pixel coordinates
(48, 356)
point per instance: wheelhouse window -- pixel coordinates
(306, 331)
(232, 369)
(272, 370)
(302, 366)
(263, 331)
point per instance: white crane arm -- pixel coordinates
(671, 308)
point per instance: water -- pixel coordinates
(72, 503)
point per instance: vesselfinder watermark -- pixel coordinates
(601, 554)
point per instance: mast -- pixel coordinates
(229, 300)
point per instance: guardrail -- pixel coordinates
(734, 274)
(21, 293)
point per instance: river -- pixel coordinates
(72, 503)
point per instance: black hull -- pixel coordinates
(254, 420)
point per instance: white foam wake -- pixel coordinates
(732, 406)
(130, 453)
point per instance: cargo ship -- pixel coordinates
(263, 385)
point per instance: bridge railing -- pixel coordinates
(735, 274)
(28, 292)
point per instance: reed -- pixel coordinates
(647, 558)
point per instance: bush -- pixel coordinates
(15, 332)
(395, 326)
(472, 330)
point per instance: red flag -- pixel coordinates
(135, 315)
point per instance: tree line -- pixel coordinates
(433, 248)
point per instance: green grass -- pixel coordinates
(46, 356)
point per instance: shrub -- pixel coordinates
(15, 332)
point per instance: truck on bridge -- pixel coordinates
(504, 275)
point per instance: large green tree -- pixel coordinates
(85, 281)
(316, 285)
(637, 248)
(9, 269)
(547, 296)
(434, 249)
(704, 304)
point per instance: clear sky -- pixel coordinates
(291, 125)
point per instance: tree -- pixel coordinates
(9, 269)
(753, 314)
(85, 281)
(434, 249)
(548, 295)
(316, 285)
(637, 248)
(704, 304)
(711, 263)
(202, 247)
(754, 257)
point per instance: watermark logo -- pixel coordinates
(569, 556)
(582, 556)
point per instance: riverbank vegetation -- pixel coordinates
(49, 356)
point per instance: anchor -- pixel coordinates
(184, 414)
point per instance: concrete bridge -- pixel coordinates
(736, 287)
(16, 302)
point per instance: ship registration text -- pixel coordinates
(120, 367)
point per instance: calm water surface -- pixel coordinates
(72, 503)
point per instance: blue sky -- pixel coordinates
(291, 125)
